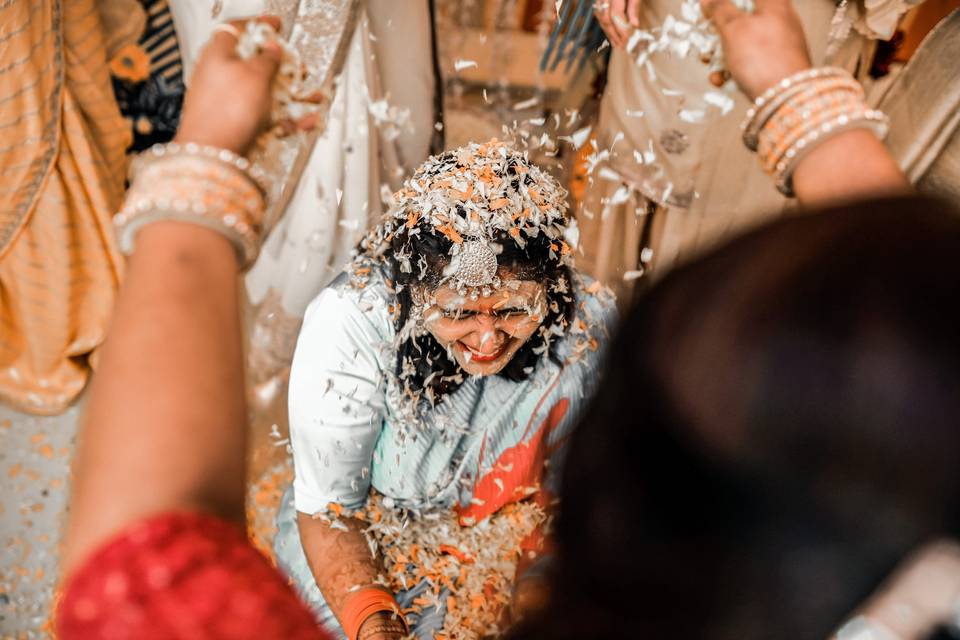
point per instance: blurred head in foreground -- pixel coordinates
(779, 425)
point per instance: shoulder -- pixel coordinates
(345, 327)
(345, 303)
(593, 323)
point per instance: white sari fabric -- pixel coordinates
(338, 194)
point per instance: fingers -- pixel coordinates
(633, 13)
(273, 21)
(268, 60)
(601, 9)
(618, 16)
(225, 35)
(766, 6)
(720, 12)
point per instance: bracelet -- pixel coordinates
(365, 602)
(786, 129)
(762, 108)
(224, 156)
(800, 112)
(800, 94)
(199, 185)
(875, 121)
(802, 103)
(399, 627)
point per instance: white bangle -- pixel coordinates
(875, 121)
(762, 109)
(251, 171)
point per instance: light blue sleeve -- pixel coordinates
(337, 398)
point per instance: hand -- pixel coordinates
(529, 596)
(229, 99)
(760, 48)
(382, 625)
(618, 18)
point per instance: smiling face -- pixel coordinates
(483, 335)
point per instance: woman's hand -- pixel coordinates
(618, 18)
(760, 48)
(229, 99)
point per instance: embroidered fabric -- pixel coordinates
(182, 575)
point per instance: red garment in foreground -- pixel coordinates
(182, 576)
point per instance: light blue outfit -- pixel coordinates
(345, 424)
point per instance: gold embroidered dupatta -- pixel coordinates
(62, 157)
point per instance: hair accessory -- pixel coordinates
(474, 266)
(476, 197)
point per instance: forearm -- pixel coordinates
(851, 165)
(164, 427)
(341, 561)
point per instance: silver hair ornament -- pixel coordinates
(475, 265)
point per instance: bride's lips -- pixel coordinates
(476, 356)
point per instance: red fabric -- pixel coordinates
(180, 576)
(516, 473)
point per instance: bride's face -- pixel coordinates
(483, 335)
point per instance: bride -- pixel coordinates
(432, 389)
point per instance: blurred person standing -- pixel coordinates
(673, 176)
(381, 127)
(62, 155)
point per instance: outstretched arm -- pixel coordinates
(766, 46)
(164, 427)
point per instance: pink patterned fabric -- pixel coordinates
(182, 576)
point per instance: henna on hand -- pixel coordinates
(341, 560)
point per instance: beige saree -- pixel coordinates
(62, 156)
(677, 185)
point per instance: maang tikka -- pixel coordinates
(474, 267)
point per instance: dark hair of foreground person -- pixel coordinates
(776, 430)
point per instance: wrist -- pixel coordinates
(382, 625)
(368, 605)
(188, 133)
(786, 70)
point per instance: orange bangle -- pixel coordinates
(364, 603)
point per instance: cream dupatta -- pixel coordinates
(328, 186)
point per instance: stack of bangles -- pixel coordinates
(211, 187)
(365, 602)
(802, 111)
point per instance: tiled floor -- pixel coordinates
(34, 473)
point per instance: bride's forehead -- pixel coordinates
(511, 292)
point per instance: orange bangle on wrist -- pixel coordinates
(362, 604)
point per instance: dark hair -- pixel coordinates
(413, 252)
(422, 356)
(776, 429)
